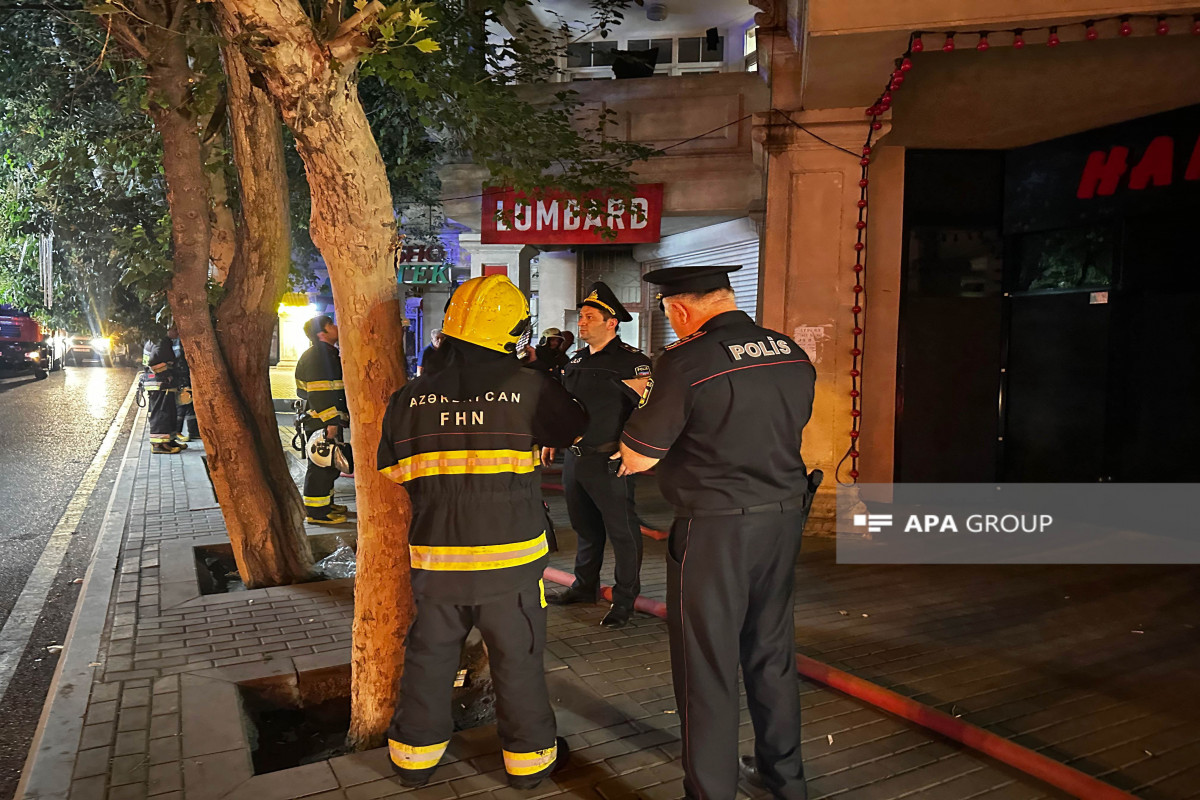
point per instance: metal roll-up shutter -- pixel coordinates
(744, 283)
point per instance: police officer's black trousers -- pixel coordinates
(600, 506)
(729, 601)
(514, 630)
(160, 405)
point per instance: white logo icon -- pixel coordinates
(874, 523)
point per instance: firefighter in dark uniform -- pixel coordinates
(161, 385)
(185, 419)
(319, 385)
(600, 503)
(463, 441)
(724, 415)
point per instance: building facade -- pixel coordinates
(1009, 325)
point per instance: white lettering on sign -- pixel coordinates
(552, 217)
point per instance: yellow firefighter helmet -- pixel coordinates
(489, 311)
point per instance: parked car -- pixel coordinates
(24, 347)
(86, 348)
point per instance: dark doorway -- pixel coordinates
(951, 321)
(1050, 324)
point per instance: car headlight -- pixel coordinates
(34, 354)
(102, 344)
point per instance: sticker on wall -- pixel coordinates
(808, 337)
(1098, 298)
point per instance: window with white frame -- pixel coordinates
(750, 49)
(688, 55)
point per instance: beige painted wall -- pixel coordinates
(807, 261)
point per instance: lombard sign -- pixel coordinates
(422, 265)
(554, 218)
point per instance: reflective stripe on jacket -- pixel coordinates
(469, 464)
(158, 359)
(319, 384)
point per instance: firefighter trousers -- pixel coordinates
(601, 508)
(514, 630)
(729, 601)
(318, 489)
(160, 406)
(185, 420)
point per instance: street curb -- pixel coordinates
(48, 768)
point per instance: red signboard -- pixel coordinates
(559, 219)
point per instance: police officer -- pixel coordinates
(319, 385)
(185, 419)
(462, 440)
(600, 502)
(724, 415)
(161, 385)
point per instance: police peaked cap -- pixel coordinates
(686, 280)
(602, 297)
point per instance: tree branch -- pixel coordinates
(350, 38)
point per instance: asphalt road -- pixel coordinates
(50, 431)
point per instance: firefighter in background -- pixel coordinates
(161, 385)
(185, 424)
(462, 441)
(319, 385)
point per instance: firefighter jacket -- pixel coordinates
(319, 385)
(463, 441)
(158, 358)
(182, 372)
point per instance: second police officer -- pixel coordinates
(600, 503)
(725, 417)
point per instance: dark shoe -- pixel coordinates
(331, 518)
(413, 778)
(617, 617)
(525, 783)
(748, 769)
(571, 596)
(165, 448)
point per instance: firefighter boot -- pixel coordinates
(526, 783)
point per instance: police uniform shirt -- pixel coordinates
(596, 379)
(319, 384)
(463, 442)
(725, 414)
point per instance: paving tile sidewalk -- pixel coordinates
(169, 658)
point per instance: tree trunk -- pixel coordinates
(353, 225)
(256, 281)
(264, 545)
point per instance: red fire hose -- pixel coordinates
(1055, 773)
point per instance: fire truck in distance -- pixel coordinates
(24, 347)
